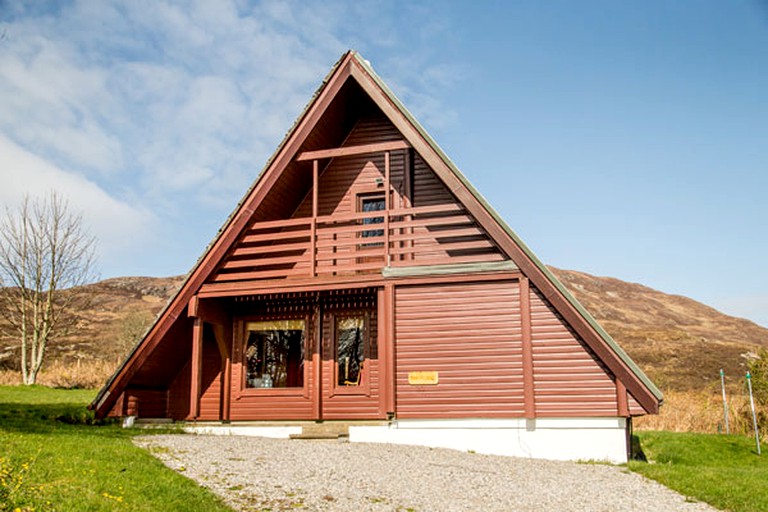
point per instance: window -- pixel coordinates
(350, 348)
(274, 353)
(372, 203)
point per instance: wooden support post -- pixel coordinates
(383, 355)
(196, 369)
(313, 228)
(622, 404)
(389, 341)
(317, 362)
(226, 396)
(220, 331)
(387, 205)
(529, 396)
(207, 310)
(408, 194)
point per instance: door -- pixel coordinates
(350, 365)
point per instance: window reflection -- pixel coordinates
(274, 353)
(350, 349)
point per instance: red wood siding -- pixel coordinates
(470, 333)
(568, 378)
(210, 395)
(152, 403)
(635, 409)
(450, 236)
(178, 393)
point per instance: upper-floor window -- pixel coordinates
(372, 203)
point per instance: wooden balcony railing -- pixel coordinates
(358, 243)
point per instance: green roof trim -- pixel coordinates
(554, 280)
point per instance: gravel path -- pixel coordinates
(253, 473)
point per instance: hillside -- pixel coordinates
(680, 343)
(120, 310)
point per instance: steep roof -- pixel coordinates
(353, 66)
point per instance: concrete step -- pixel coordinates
(331, 437)
(323, 430)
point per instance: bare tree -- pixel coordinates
(45, 255)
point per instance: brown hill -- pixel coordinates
(120, 310)
(679, 342)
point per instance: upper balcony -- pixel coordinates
(360, 243)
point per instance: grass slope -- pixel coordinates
(54, 457)
(724, 471)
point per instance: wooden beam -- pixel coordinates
(384, 352)
(233, 289)
(226, 394)
(408, 203)
(362, 149)
(389, 341)
(387, 204)
(193, 307)
(622, 403)
(313, 226)
(317, 362)
(208, 310)
(529, 395)
(196, 369)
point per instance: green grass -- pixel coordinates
(55, 456)
(724, 471)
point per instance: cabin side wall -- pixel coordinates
(569, 380)
(469, 337)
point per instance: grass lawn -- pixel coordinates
(52, 457)
(724, 471)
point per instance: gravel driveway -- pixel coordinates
(253, 473)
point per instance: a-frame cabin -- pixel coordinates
(363, 278)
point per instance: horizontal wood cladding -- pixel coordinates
(635, 409)
(150, 403)
(179, 392)
(470, 334)
(210, 396)
(568, 378)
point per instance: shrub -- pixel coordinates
(758, 368)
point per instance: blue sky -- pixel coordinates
(627, 139)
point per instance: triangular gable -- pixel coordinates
(352, 66)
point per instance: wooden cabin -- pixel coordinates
(362, 279)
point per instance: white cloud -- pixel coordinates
(176, 105)
(53, 104)
(118, 226)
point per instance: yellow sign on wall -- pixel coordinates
(422, 378)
